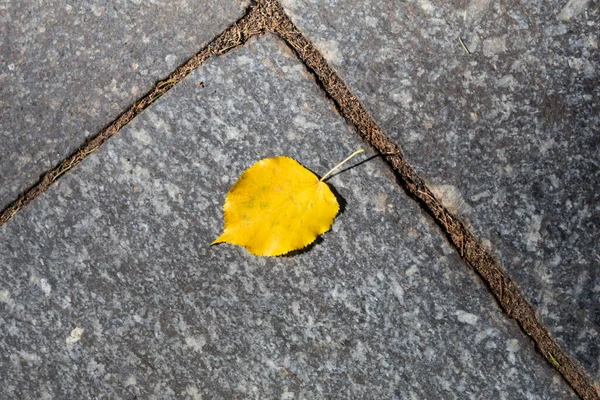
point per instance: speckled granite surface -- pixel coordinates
(68, 68)
(109, 286)
(507, 136)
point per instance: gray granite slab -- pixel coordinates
(69, 68)
(507, 136)
(109, 286)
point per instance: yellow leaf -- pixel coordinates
(278, 206)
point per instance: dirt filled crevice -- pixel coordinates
(235, 35)
(268, 15)
(507, 293)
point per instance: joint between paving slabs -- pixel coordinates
(268, 15)
(509, 296)
(235, 35)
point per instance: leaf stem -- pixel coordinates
(340, 164)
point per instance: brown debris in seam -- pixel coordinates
(268, 15)
(237, 34)
(506, 292)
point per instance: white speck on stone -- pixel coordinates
(404, 97)
(272, 364)
(576, 63)
(412, 270)
(195, 342)
(480, 195)
(95, 368)
(193, 392)
(159, 124)
(572, 9)
(29, 357)
(330, 50)
(397, 290)
(5, 298)
(131, 381)
(75, 336)
(98, 10)
(450, 198)
(490, 345)
(45, 395)
(359, 352)
(485, 334)
(555, 30)
(533, 235)
(476, 10)
(293, 8)
(466, 318)
(413, 136)
(243, 60)
(287, 395)
(546, 145)
(304, 124)
(426, 6)
(296, 308)
(507, 81)
(584, 213)
(494, 46)
(371, 22)
(338, 294)
(11, 67)
(512, 346)
(487, 244)
(141, 135)
(233, 133)
(380, 202)
(45, 286)
(171, 59)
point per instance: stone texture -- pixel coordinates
(110, 288)
(507, 136)
(69, 68)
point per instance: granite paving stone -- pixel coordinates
(109, 287)
(69, 68)
(507, 136)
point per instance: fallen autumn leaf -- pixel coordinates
(277, 206)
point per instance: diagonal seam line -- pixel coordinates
(268, 15)
(506, 292)
(235, 35)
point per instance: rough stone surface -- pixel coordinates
(69, 68)
(507, 136)
(110, 288)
